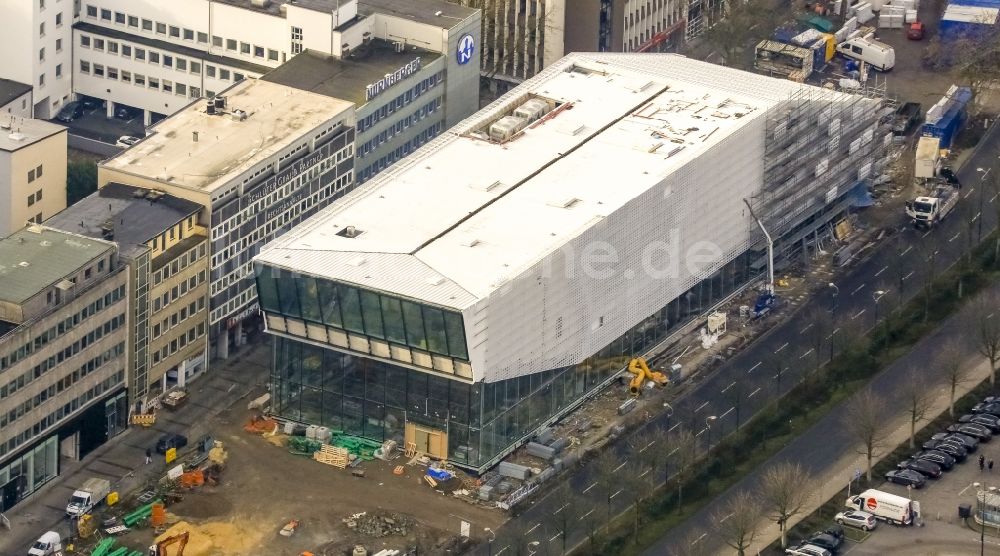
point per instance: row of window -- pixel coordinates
(179, 343)
(179, 317)
(35, 197)
(139, 80)
(183, 33)
(34, 173)
(69, 408)
(62, 327)
(406, 148)
(64, 383)
(400, 101)
(178, 291)
(404, 123)
(179, 264)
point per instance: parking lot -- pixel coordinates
(94, 124)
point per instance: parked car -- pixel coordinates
(915, 31)
(70, 111)
(90, 103)
(806, 549)
(936, 456)
(991, 407)
(835, 530)
(987, 420)
(126, 141)
(979, 432)
(971, 444)
(169, 441)
(922, 466)
(856, 518)
(953, 448)
(906, 477)
(825, 540)
(126, 113)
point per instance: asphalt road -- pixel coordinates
(890, 264)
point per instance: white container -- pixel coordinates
(311, 432)
(911, 16)
(323, 434)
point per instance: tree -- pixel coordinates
(636, 480)
(81, 180)
(919, 398)
(739, 24)
(952, 367)
(864, 421)
(784, 493)
(977, 60)
(988, 330)
(681, 449)
(591, 522)
(817, 332)
(775, 366)
(606, 466)
(736, 521)
(565, 517)
(692, 545)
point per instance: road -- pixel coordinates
(884, 269)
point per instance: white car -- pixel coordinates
(126, 141)
(808, 550)
(855, 518)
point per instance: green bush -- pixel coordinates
(81, 179)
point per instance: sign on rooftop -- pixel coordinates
(390, 79)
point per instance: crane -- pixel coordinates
(766, 300)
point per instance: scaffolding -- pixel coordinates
(820, 145)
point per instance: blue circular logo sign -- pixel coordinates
(466, 48)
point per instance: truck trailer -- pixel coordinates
(888, 507)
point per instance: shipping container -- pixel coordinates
(946, 118)
(967, 22)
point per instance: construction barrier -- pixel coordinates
(144, 420)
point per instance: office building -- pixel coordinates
(32, 171)
(63, 321)
(37, 46)
(15, 99)
(484, 286)
(163, 243)
(155, 58)
(259, 159)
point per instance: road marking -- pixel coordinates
(644, 473)
(783, 346)
(881, 271)
(672, 452)
(976, 217)
(954, 237)
(806, 353)
(754, 367)
(994, 198)
(723, 520)
(775, 376)
(835, 330)
(620, 466)
(728, 411)
(561, 509)
(555, 537)
(971, 189)
(907, 250)
(643, 449)
(698, 540)
(502, 550)
(588, 488)
(857, 289)
(700, 407)
(927, 233)
(612, 497)
(537, 525)
(585, 515)
(908, 275)
(755, 391)
(861, 312)
(701, 431)
(671, 429)
(724, 390)
(803, 331)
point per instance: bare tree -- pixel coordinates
(565, 518)
(636, 479)
(740, 23)
(952, 367)
(817, 332)
(681, 451)
(776, 367)
(784, 493)
(692, 545)
(988, 330)
(736, 521)
(607, 466)
(918, 396)
(864, 420)
(591, 521)
(648, 447)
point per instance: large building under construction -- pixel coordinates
(484, 286)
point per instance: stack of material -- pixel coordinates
(891, 17)
(360, 447)
(387, 450)
(261, 426)
(303, 446)
(332, 455)
(541, 451)
(513, 470)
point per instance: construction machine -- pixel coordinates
(160, 548)
(640, 369)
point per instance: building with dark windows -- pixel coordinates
(63, 355)
(259, 159)
(486, 285)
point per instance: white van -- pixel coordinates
(885, 506)
(876, 54)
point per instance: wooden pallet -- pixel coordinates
(332, 455)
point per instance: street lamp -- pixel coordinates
(493, 537)
(836, 292)
(708, 425)
(531, 547)
(980, 498)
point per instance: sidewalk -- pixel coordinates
(122, 459)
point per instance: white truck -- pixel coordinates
(926, 212)
(89, 495)
(885, 506)
(49, 544)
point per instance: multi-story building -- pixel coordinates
(63, 322)
(259, 159)
(157, 58)
(487, 284)
(37, 46)
(15, 99)
(161, 239)
(32, 171)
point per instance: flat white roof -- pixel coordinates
(451, 223)
(277, 116)
(17, 133)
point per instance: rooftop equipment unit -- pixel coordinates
(532, 110)
(261, 3)
(220, 103)
(210, 108)
(505, 128)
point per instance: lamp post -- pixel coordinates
(493, 537)
(980, 498)
(836, 292)
(708, 425)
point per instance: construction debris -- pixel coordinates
(379, 526)
(289, 529)
(332, 455)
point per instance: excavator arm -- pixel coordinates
(182, 540)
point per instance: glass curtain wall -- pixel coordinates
(31, 470)
(374, 399)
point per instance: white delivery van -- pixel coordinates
(876, 54)
(49, 544)
(885, 506)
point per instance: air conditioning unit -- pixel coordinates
(261, 3)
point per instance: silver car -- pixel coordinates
(806, 549)
(855, 518)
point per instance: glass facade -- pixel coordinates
(26, 474)
(483, 421)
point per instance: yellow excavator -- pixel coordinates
(640, 369)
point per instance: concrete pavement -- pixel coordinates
(122, 458)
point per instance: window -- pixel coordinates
(59, 19)
(41, 55)
(58, 71)
(161, 28)
(216, 41)
(147, 25)
(126, 76)
(231, 44)
(194, 92)
(154, 83)
(258, 51)
(31, 198)
(296, 33)
(98, 44)
(41, 80)
(182, 64)
(140, 80)
(154, 57)
(245, 48)
(38, 174)
(31, 175)
(126, 50)
(91, 11)
(181, 89)
(224, 74)
(140, 54)
(272, 55)
(133, 21)
(85, 41)
(195, 67)
(175, 32)
(112, 47)
(105, 14)
(120, 18)
(237, 77)
(202, 37)
(168, 61)
(58, 45)
(98, 70)
(188, 35)
(168, 86)
(112, 73)
(210, 71)
(41, 29)
(84, 66)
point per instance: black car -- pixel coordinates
(992, 407)
(906, 477)
(835, 530)
(70, 111)
(90, 103)
(922, 466)
(825, 540)
(953, 448)
(169, 441)
(987, 420)
(944, 460)
(979, 432)
(971, 444)
(126, 113)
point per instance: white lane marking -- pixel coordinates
(954, 237)
(861, 312)
(857, 289)
(908, 275)
(907, 250)
(585, 515)
(537, 525)
(835, 330)
(701, 431)
(783, 346)
(671, 429)
(728, 411)
(612, 497)
(806, 353)
(726, 389)
(927, 233)
(620, 466)
(700, 407)
(696, 541)
(754, 392)
(723, 520)
(586, 490)
(884, 268)
(976, 217)
(556, 536)
(754, 367)
(803, 331)
(564, 506)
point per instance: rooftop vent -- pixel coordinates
(64, 285)
(17, 136)
(5, 125)
(356, 261)
(505, 128)
(261, 3)
(239, 115)
(34, 228)
(485, 187)
(155, 194)
(565, 203)
(350, 232)
(46, 243)
(24, 264)
(470, 242)
(435, 280)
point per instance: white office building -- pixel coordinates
(37, 44)
(487, 284)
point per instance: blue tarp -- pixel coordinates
(951, 121)
(860, 196)
(977, 3)
(439, 474)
